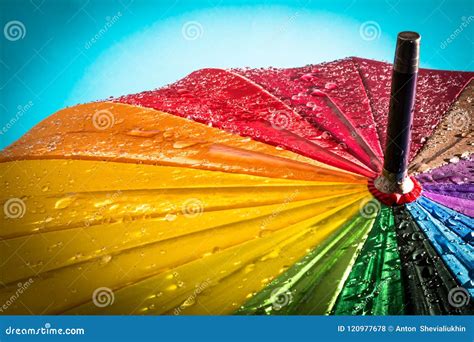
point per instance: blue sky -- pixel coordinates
(70, 52)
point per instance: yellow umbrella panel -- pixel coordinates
(151, 215)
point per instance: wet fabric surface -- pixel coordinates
(242, 191)
(436, 91)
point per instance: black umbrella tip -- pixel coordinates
(410, 36)
(407, 54)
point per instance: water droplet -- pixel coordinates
(307, 77)
(190, 301)
(454, 160)
(170, 217)
(317, 92)
(172, 287)
(249, 268)
(143, 133)
(184, 144)
(64, 202)
(105, 259)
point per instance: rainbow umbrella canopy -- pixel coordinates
(243, 191)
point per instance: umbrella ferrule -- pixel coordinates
(389, 183)
(394, 178)
(407, 53)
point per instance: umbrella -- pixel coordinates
(249, 191)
